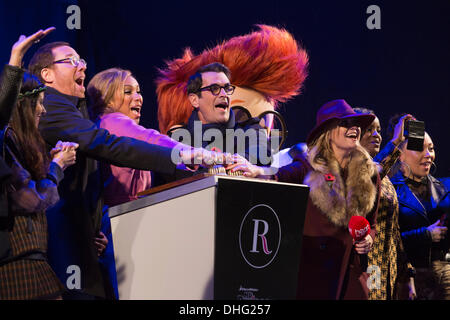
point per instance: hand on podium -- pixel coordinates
(251, 170)
(195, 157)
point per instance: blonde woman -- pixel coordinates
(344, 182)
(116, 106)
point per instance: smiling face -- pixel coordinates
(65, 77)
(344, 139)
(417, 164)
(211, 108)
(129, 102)
(371, 139)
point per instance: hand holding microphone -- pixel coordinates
(359, 229)
(364, 246)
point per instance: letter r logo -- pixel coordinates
(261, 236)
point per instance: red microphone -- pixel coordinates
(358, 227)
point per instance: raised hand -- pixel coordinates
(399, 129)
(24, 43)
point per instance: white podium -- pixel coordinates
(210, 237)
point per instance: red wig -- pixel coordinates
(269, 61)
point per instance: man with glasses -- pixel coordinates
(75, 240)
(209, 92)
(213, 123)
(60, 67)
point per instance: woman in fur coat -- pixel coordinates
(344, 182)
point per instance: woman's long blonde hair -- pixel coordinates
(102, 89)
(320, 152)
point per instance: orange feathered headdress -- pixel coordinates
(269, 61)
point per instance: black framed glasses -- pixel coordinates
(74, 61)
(215, 89)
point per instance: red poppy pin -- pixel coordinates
(329, 178)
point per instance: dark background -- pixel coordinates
(404, 67)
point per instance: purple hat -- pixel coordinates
(337, 110)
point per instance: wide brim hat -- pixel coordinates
(337, 110)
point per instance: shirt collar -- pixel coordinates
(221, 126)
(72, 99)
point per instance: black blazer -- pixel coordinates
(76, 218)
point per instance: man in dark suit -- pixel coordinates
(74, 223)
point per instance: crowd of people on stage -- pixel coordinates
(69, 151)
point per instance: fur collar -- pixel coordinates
(344, 199)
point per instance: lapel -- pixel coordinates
(406, 197)
(438, 191)
(81, 105)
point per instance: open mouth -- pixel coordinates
(352, 136)
(352, 133)
(80, 82)
(222, 105)
(376, 143)
(136, 111)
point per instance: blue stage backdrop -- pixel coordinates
(402, 67)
